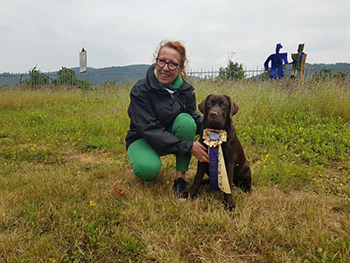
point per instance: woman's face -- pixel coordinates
(164, 74)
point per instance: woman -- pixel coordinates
(163, 117)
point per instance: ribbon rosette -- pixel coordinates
(217, 170)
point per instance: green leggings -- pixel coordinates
(146, 162)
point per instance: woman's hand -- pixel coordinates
(199, 151)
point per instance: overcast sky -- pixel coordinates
(50, 34)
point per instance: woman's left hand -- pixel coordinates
(199, 151)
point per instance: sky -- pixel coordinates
(50, 34)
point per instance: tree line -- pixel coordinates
(65, 76)
(233, 70)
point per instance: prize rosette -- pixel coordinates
(217, 169)
(214, 138)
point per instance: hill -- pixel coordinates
(122, 74)
(119, 74)
(334, 68)
(97, 76)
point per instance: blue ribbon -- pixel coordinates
(213, 168)
(214, 162)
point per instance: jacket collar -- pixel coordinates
(153, 81)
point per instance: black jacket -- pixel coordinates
(152, 111)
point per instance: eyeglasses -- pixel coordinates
(171, 65)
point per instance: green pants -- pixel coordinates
(146, 162)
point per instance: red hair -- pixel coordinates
(179, 47)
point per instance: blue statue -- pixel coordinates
(276, 62)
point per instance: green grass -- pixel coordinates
(68, 194)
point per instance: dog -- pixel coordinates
(218, 111)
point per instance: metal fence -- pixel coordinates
(248, 73)
(99, 77)
(213, 73)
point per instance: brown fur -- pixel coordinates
(218, 111)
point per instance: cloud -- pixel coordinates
(52, 33)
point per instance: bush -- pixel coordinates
(37, 78)
(232, 71)
(67, 76)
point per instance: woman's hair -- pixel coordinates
(179, 47)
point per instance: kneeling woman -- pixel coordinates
(163, 117)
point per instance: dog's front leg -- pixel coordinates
(193, 190)
(229, 204)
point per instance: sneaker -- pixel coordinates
(179, 185)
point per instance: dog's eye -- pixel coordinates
(209, 104)
(224, 105)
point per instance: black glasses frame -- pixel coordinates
(171, 65)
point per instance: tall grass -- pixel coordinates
(68, 194)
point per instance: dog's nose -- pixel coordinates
(213, 114)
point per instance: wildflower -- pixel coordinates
(92, 203)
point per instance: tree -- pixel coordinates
(325, 73)
(233, 70)
(67, 76)
(36, 77)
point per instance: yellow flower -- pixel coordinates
(92, 203)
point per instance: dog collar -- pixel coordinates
(217, 169)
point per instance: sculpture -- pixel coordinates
(299, 62)
(276, 63)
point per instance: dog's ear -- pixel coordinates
(233, 107)
(201, 106)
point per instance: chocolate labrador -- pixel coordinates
(218, 111)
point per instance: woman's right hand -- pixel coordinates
(199, 151)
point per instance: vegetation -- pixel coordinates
(36, 77)
(68, 193)
(233, 70)
(65, 76)
(328, 74)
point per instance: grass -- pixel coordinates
(68, 194)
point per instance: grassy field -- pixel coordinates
(68, 194)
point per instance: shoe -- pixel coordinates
(179, 185)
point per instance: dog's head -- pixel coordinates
(218, 110)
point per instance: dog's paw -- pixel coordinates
(205, 181)
(188, 193)
(246, 189)
(229, 204)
